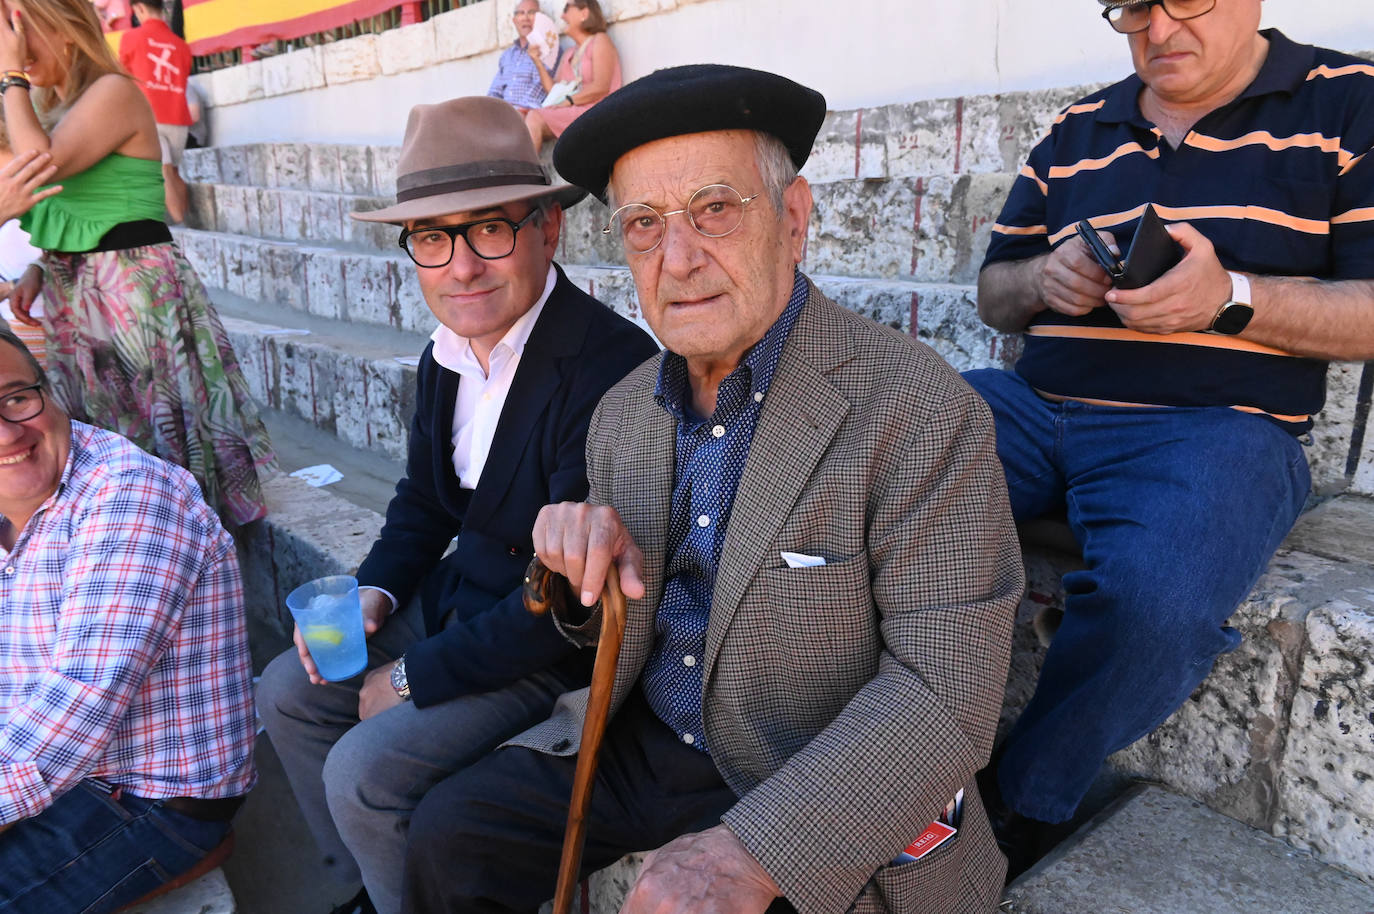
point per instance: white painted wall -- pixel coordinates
(858, 52)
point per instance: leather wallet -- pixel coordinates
(1153, 252)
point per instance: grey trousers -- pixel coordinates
(358, 783)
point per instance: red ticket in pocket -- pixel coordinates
(936, 833)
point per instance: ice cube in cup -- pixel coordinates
(331, 621)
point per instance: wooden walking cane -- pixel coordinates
(541, 593)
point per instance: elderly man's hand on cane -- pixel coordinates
(580, 541)
(708, 872)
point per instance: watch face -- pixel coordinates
(1233, 318)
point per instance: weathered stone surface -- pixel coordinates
(326, 222)
(384, 170)
(863, 228)
(324, 282)
(200, 166)
(505, 25)
(1337, 529)
(355, 170)
(233, 164)
(1334, 429)
(234, 85)
(242, 271)
(1161, 853)
(465, 31)
(324, 168)
(998, 131)
(410, 47)
(623, 10)
(283, 275)
(370, 293)
(292, 161)
(922, 138)
(842, 152)
(269, 213)
(583, 242)
(202, 251)
(351, 60)
(294, 71)
(1327, 784)
(209, 894)
(294, 209)
(412, 312)
(308, 532)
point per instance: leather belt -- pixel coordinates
(218, 810)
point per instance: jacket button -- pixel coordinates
(561, 745)
(514, 550)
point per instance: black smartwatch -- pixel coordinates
(1234, 315)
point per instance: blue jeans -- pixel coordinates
(1178, 512)
(89, 853)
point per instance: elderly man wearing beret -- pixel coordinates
(1167, 419)
(806, 511)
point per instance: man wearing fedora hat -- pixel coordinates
(505, 391)
(1167, 419)
(811, 526)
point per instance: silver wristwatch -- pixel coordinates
(399, 682)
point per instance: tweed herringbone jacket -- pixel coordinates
(845, 704)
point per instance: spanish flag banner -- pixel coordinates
(219, 25)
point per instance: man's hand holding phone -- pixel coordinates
(1070, 280)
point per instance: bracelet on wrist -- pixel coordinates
(9, 82)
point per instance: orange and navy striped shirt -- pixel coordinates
(1281, 181)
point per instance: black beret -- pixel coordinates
(691, 99)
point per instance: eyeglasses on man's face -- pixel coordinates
(1136, 18)
(715, 211)
(489, 239)
(22, 404)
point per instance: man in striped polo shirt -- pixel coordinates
(1166, 418)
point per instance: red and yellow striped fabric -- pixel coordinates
(219, 25)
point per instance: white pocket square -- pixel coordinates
(800, 560)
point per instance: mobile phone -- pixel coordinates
(1101, 253)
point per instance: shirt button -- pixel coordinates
(9, 569)
(758, 396)
(718, 431)
(689, 660)
(688, 738)
(703, 521)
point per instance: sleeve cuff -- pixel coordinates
(389, 595)
(23, 792)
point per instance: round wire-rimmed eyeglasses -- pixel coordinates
(22, 403)
(1136, 17)
(490, 239)
(715, 211)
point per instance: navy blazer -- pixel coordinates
(576, 351)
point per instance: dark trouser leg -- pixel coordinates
(89, 853)
(487, 839)
(1178, 513)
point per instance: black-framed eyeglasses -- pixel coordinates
(715, 211)
(1136, 18)
(22, 404)
(489, 239)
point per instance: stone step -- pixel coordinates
(927, 229)
(210, 894)
(1159, 852)
(356, 387)
(1280, 735)
(293, 280)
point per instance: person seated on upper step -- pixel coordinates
(517, 77)
(504, 394)
(126, 697)
(809, 519)
(1167, 419)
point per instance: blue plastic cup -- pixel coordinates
(330, 618)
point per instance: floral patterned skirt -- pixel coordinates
(135, 346)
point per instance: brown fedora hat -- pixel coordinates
(466, 154)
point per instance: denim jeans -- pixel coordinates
(1177, 511)
(90, 853)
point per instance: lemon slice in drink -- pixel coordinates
(324, 634)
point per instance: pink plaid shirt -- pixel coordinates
(123, 648)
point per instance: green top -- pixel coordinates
(116, 189)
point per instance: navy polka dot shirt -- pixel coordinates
(710, 457)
